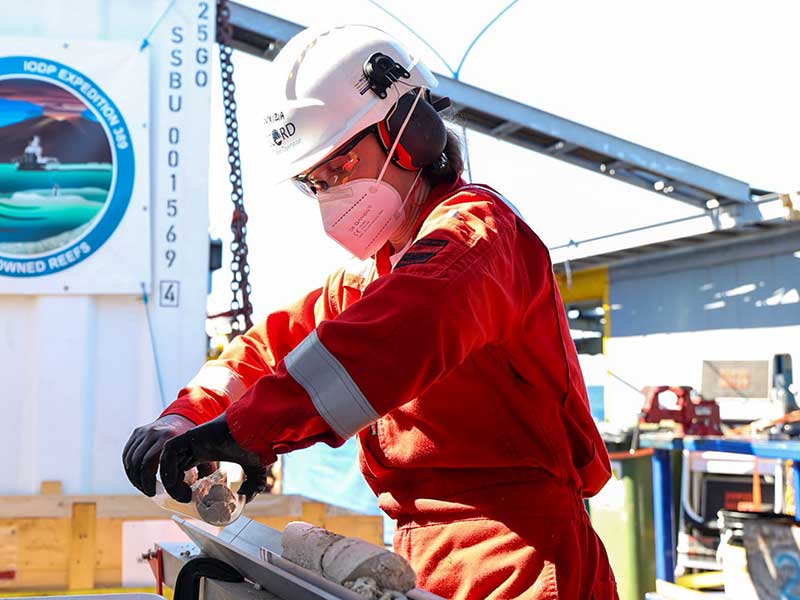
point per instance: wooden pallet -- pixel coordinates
(50, 541)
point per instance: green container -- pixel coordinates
(622, 515)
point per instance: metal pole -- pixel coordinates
(662, 515)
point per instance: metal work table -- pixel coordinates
(663, 445)
(253, 551)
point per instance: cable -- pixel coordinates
(146, 40)
(153, 345)
(415, 34)
(573, 243)
(457, 72)
(768, 198)
(630, 385)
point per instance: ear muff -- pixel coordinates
(424, 137)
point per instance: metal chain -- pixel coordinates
(241, 308)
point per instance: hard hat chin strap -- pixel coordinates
(397, 138)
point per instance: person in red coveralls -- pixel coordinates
(445, 348)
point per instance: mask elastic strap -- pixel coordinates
(416, 207)
(397, 139)
(413, 185)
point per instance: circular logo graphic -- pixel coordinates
(66, 167)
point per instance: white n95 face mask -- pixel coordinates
(361, 215)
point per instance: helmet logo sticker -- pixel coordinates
(283, 133)
(274, 118)
(362, 85)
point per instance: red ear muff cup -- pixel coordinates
(424, 137)
(401, 155)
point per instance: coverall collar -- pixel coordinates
(384, 259)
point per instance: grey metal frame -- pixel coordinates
(264, 35)
(254, 550)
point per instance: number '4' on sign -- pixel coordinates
(169, 293)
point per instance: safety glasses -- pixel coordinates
(333, 171)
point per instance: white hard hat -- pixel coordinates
(322, 95)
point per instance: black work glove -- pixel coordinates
(211, 441)
(140, 456)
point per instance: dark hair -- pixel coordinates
(449, 170)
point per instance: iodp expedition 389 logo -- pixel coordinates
(66, 167)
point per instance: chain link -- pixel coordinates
(241, 308)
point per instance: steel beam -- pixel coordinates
(592, 149)
(259, 33)
(264, 35)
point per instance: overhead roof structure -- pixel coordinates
(640, 244)
(729, 203)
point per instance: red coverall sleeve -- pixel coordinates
(456, 289)
(223, 381)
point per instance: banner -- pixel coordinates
(73, 167)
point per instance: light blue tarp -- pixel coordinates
(332, 475)
(597, 401)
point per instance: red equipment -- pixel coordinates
(695, 414)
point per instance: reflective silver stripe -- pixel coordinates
(219, 379)
(334, 393)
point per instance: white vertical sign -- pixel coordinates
(181, 52)
(77, 365)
